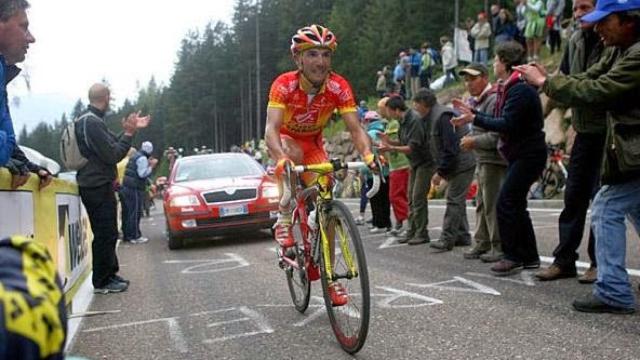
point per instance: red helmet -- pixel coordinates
(313, 36)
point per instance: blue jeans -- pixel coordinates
(481, 56)
(612, 204)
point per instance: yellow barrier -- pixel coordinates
(53, 216)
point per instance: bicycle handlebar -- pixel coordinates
(325, 168)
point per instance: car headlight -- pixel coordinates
(270, 192)
(184, 200)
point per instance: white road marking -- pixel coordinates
(471, 286)
(320, 310)
(526, 278)
(211, 265)
(399, 294)
(250, 315)
(175, 333)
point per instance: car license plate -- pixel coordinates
(234, 210)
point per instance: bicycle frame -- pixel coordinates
(320, 194)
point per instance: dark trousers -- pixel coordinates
(554, 40)
(132, 201)
(363, 195)
(582, 185)
(514, 223)
(101, 206)
(380, 206)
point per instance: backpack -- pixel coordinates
(70, 153)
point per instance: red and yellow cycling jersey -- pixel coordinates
(306, 115)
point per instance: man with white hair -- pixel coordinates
(132, 192)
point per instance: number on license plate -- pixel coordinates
(233, 210)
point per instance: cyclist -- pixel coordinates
(300, 104)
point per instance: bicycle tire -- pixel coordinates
(297, 279)
(350, 337)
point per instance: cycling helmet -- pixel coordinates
(313, 36)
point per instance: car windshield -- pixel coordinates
(215, 167)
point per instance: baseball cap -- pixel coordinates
(474, 69)
(606, 7)
(147, 147)
(371, 116)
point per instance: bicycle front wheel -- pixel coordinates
(297, 279)
(348, 266)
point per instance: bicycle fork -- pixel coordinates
(328, 253)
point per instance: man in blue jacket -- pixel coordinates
(15, 38)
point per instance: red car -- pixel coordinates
(216, 193)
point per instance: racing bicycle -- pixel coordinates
(327, 247)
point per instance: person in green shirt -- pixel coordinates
(399, 172)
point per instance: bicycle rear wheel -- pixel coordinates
(350, 322)
(297, 279)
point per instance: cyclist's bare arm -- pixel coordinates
(358, 135)
(277, 148)
(275, 118)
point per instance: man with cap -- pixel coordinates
(132, 192)
(491, 167)
(613, 84)
(583, 50)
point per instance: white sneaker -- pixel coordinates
(377, 230)
(140, 240)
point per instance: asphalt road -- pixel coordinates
(225, 298)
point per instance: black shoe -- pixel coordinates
(418, 241)
(465, 242)
(120, 279)
(111, 287)
(440, 246)
(591, 304)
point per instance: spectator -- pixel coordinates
(399, 76)
(534, 30)
(613, 84)
(14, 43)
(481, 32)
(362, 109)
(521, 20)
(413, 140)
(416, 62)
(468, 25)
(398, 172)
(426, 66)
(405, 60)
(495, 12)
(133, 192)
(380, 208)
(518, 118)
(34, 317)
(490, 166)
(584, 50)
(449, 60)
(381, 84)
(452, 165)
(506, 30)
(96, 185)
(555, 9)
